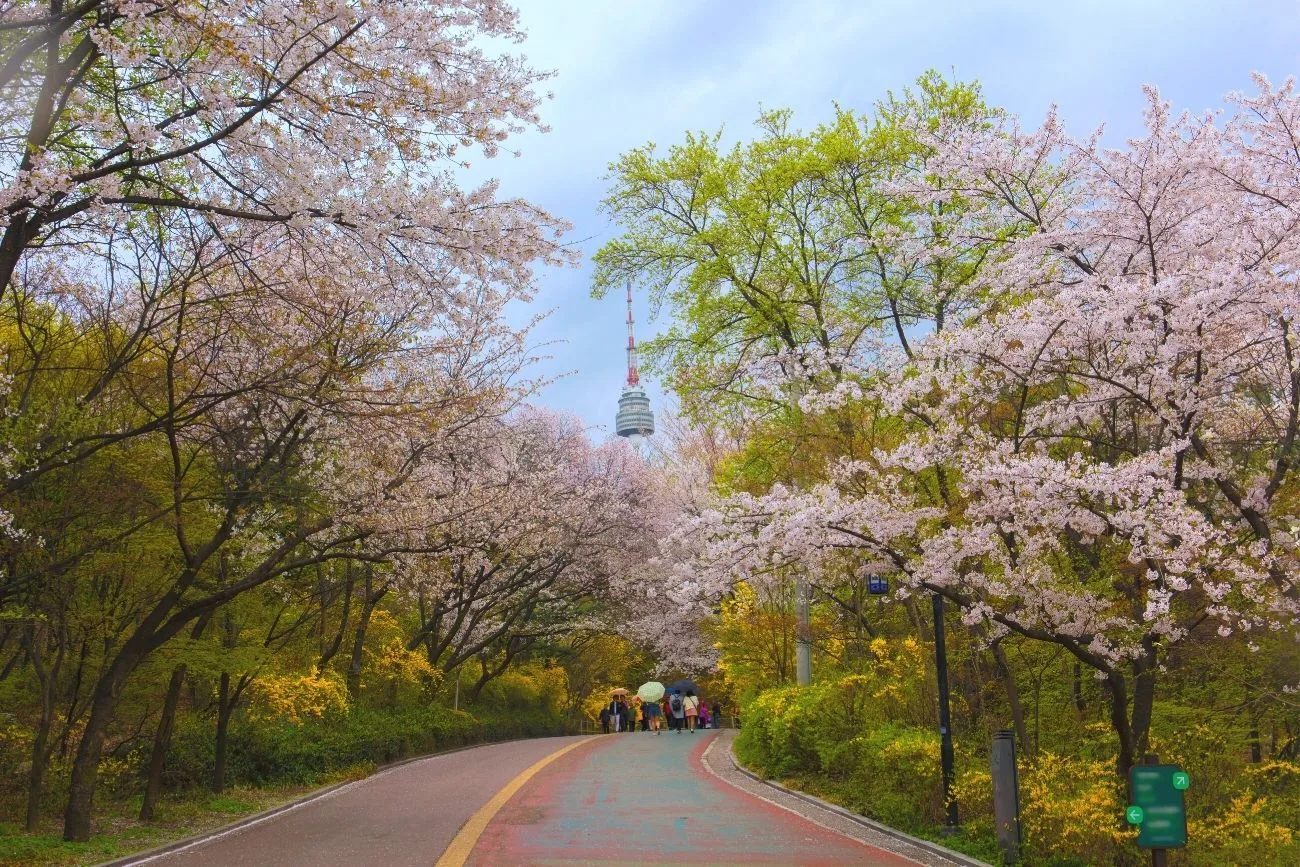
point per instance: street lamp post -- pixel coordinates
(945, 715)
(802, 634)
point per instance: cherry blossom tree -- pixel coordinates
(549, 529)
(339, 124)
(1102, 455)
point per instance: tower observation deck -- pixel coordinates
(634, 416)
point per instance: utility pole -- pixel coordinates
(802, 633)
(945, 716)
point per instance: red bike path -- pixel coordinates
(642, 798)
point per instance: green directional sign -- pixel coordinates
(1158, 805)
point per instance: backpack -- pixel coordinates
(676, 704)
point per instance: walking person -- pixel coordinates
(691, 709)
(604, 720)
(679, 711)
(613, 708)
(653, 713)
(717, 715)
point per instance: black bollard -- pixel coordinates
(1006, 795)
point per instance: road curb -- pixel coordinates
(257, 818)
(918, 842)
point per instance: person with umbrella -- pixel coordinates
(678, 707)
(617, 708)
(650, 693)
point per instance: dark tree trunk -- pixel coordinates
(1077, 687)
(162, 738)
(369, 600)
(40, 760)
(1144, 698)
(161, 742)
(333, 647)
(41, 747)
(358, 652)
(1013, 697)
(90, 749)
(225, 705)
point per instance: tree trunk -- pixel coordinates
(1077, 687)
(225, 704)
(161, 742)
(40, 760)
(1119, 722)
(1144, 698)
(85, 765)
(369, 599)
(333, 647)
(358, 650)
(41, 744)
(1013, 697)
(47, 677)
(166, 724)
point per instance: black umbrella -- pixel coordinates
(683, 685)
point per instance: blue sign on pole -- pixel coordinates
(877, 585)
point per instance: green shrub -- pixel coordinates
(263, 752)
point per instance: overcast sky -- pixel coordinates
(632, 72)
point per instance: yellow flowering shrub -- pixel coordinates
(1280, 782)
(1244, 823)
(973, 790)
(297, 696)
(394, 662)
(1072, 805)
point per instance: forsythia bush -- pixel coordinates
(296, 696)
(1245, 822)
(1071, 806)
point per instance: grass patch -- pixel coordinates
(120, 832)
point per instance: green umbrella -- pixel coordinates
(652, 691)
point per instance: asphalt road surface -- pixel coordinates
(615, 799)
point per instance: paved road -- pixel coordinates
(403, 816)
(630, 799)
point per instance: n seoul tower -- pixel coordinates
(635, 420)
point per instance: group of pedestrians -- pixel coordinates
(678, 711)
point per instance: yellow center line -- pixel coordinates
(462, 845)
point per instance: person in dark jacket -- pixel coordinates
(604, 720)
(716, 713)
(622, 716)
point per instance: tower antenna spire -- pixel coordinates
(633, 375)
